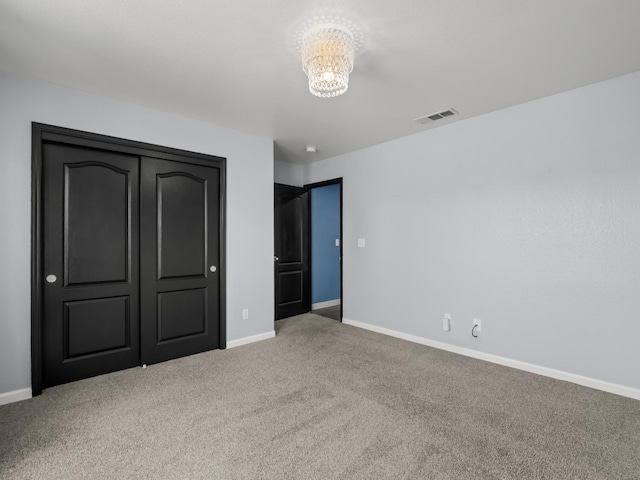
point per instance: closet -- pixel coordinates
(128, 254)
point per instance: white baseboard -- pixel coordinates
(329, 303)
(508, 362)
(15, 396)
(251, 339)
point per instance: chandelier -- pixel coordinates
(328, 51)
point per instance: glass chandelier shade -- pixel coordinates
(327, 58)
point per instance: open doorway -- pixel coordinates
(326, 224)
(308, 219)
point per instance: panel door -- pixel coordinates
(180, 256)
(91, 298)
(292, 279)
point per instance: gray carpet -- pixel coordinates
(321, 401)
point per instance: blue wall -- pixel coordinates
(325, 255)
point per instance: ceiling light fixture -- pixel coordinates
(328, 46)
(327, 59)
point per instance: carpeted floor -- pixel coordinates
(322, 400)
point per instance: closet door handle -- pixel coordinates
(213, 268)
(51, 279)
(275, 258)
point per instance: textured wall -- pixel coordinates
(528, 218)
(325, 255)
(249, 203)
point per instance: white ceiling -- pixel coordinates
(232, 63)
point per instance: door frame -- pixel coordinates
(42, 132)
(309, 187)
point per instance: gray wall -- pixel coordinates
(288, 173)
(528, 218)
(249, 217)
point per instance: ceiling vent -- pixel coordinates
(436, 116)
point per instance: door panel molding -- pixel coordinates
(42, 133)
(70, 172)
(75, 324)
(171, 228)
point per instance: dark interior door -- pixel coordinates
(180, 289)
(90, 289)
(292, 279)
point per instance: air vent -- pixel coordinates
(434, 117)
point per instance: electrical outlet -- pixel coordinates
(245, 314)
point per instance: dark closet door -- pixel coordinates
(292, 279)
(180, 255)
(90, 219)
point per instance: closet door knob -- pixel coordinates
(213, 268)
(51, 279)
(275, 258)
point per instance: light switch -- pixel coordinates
(361, 242)
(446, 324)
(337, 242)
